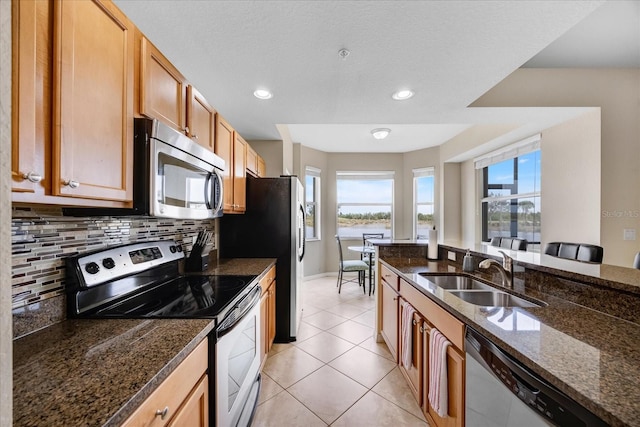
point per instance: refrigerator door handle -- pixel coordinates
(301, 234)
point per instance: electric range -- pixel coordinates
(142, 280)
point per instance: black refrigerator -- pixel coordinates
(272, 227)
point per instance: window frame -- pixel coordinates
(316, 203)
(513, 198)
(364, 176)
(417, 174)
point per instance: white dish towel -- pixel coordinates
(407, 333)
(438, 385)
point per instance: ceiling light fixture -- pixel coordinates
(262, 94)
(403, 94)
(380, 133)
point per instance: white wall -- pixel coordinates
(570, 169)
(450, 203)
(470, 194)
(617, 93)
(272, 154)
(6, 321)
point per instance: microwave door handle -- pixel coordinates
(207, 191)
(218, 182)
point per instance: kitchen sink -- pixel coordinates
(493, 299)
(456, 282)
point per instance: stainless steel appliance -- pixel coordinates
(141, 280)
(501, 392)
(174, 177)
(272, 227)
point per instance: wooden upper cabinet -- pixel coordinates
(262, 167)
(224, 149)
(201, 119)
(30, 94)
(163, 90)
(240, 173)
(92, 132)
(252, 161)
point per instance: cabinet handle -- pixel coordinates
(32, 176)
(194, 136)
(186, 130)
(71, 183)
(162, 412)
(414, 322)
(421, 330)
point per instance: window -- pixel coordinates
(365, 203)
(312, 203)
(423, 201)
(511, 193)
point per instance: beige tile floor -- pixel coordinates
(335, 373)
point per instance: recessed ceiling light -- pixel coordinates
(262, 94)
(403, 94)
(380, 133)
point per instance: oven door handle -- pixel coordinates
(238, 312)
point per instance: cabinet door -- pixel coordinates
(252, 161)
(30, 94)
(272, 315)
(413, 372)
(162, 88)
(389, 315)
(194, 412)
(455, 379)
(224, 149)
(264, 330)
(93, 101)
(262, 167)
(239, 174)
(201, 119)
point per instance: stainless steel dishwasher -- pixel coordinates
(500, 392)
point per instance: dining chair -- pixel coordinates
(636, 261)
(350, 266)
(369, 258)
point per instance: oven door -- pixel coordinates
(182, 185)
(237, 360)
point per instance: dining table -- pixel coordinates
(366, 250)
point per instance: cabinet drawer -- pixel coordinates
(390, 277)
(268, 279)
(451, 327)
(173, 391)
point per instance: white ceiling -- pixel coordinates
(448, 52)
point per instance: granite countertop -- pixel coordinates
(96, 372)
(591, 356)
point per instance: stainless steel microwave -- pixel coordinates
(173, 177)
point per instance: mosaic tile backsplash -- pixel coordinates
(42, 237)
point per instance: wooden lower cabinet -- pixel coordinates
(183, 397)
(455, 380)
(267, 313)
(428, 315)
(413, 373)
(389, 317)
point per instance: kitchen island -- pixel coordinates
(96, 372)
(593, 356)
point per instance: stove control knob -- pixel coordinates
(92, 268)
(173, 249)
(179, 248)
(108, 263)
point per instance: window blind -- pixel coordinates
(509, 152)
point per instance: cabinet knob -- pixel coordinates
(32, 176)
(421, 330)
(414, 322)
(71, 183)
(194, 136)
(162, 413)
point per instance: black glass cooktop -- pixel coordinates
(182, 297)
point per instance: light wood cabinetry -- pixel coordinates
(262, 167)
(267, 313)
(389, 317)
(232, 148)
(429, 315)
(201, 119)
(182, 399)
(166, 95)
(255, 164)
(73, 108)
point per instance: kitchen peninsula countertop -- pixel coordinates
(591, 356)
(96, 372)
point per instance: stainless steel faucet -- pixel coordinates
(505, 269)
